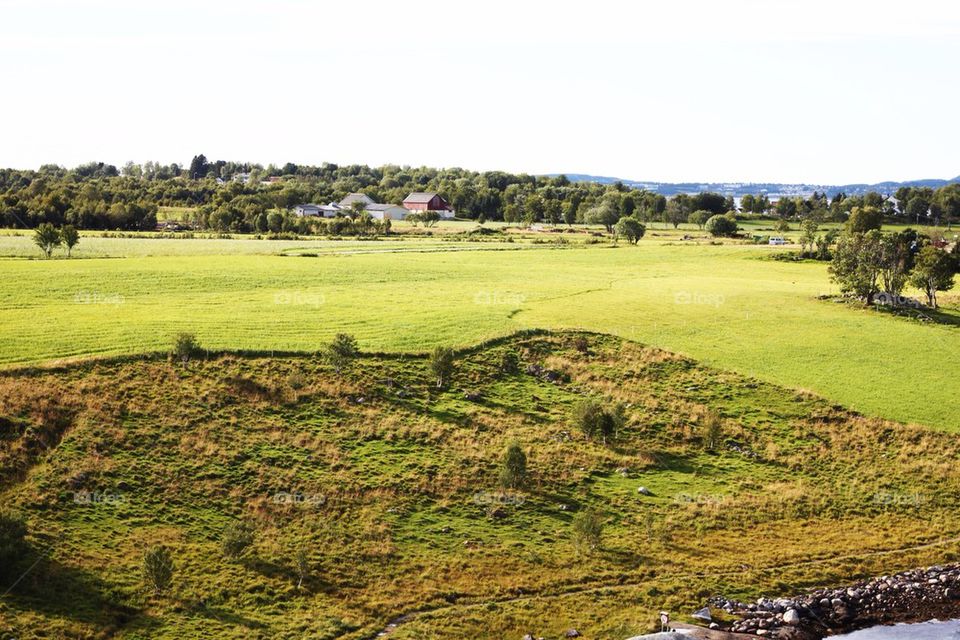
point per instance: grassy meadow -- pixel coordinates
(728, 305)
(398, 509)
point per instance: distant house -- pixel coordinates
(325, 210)
(426, 201)
(344, 207)
(304, 210)
(387, 211)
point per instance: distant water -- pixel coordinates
(933, 630)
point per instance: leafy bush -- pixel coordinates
(587, 530)
(441, 364)
(342, 351)
(595, 420)
(721, 226)
(158, 569)
(185, 347)
(237, 537)
(513, 473)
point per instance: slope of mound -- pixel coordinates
(386, 491)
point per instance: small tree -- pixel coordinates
(587, 530)
(595, 420)
(863, 219)
(47, 238)
(783, 225)
(630, 228)
(587, 415)
(185, 346)
(712, 431)
(429, 218)
(301, 564)
(604, 213)
(441, 364)
(699, 217)
(342, 350)
(71, 237)
(236, 538)
(720, 225)
(513, 473)
(808, 235)
(158, 569)
(856, 264)
(932, 272)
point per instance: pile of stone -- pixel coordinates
(920, 594)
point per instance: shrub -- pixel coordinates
(301, 564)
(510, 362)
(712, 431)
(441, 364)
(698, 217)
(513, 473)
(587, 530)
(721, 226)
(185, 346)
(342, 350)
(237, 537)
(158, 568)
(595, 420)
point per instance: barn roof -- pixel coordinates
(356, 197)
(420, 197)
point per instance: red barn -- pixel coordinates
(420, 201)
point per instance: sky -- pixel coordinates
(823, 92)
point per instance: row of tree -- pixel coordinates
(232, 197)
(866, 263)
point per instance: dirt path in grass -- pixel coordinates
(588, 589)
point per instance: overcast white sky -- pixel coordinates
(778, 90)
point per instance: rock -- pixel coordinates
(791, 617)
(528, 637)
(572, 633)
(703, 615)
(644, 491)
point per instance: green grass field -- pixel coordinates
(399, 508)
(727, 305)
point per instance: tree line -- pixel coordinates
(240, 197)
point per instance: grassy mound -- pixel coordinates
(379, 493)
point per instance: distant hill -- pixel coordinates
(743, 188)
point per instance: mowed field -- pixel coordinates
(727, 305)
